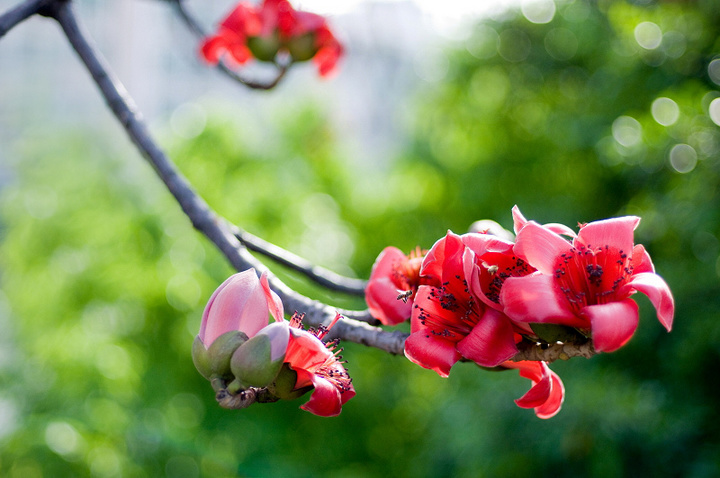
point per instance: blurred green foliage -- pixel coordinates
(602, 111)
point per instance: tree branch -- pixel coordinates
(195, 27)
(320, 275)
(218, 230)
(551, 352)
(19, 13)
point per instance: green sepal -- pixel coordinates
(215, 360)
(252, 363)
(284, 385)
(302, 48)
(264, 48)
(552, 333)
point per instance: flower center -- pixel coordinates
(592, 275)
(454, 312)
(493, 276)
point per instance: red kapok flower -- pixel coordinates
(274, 26)
(587, 282)
(547, 393)
(394, 280)
(318, 366)
(457, 318)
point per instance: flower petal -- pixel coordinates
(381, 297)
(431, 352)
(657, 290)
(273, 300)
(555, 400)
(325, 400)
(536, 298)
(617, 232)
(491, 341)
(641, 261)
(540, 247)
(613, 324)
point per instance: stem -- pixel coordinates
(19, 13)
(198, 30)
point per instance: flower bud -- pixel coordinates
(215, 360)
(302, 47)
(257, 362)
(284, 385)
(264, 48)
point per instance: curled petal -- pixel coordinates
(273, 300)
(613, 324)
(491, 341)
(641, 261)
(657, 290)
(547, 393)
(535, 298)
(325, 398)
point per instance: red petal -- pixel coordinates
(325, 398)
(657, 290)
(641, 261)
(381, 297)
(540, 247)
(555, 400)
(491, 341)
(613, 324)
(536, 298)
(617, 232)
(212, 48)
(431, 352)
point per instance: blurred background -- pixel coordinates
(573, 110)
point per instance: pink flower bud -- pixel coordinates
(241, 303)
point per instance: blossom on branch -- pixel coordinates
(273, 28)
(461, 317)
(393, 283)
(547, 392)
(585, 282)
(314, 365)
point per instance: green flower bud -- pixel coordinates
(215, 360)
(264, 48)
(302, 47)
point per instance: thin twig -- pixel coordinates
(20, 13)
(319, 275)
(198, 30)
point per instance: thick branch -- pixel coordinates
(193, 25)
(19, 13)
(204, 219)
(318, 274)
(550, 353)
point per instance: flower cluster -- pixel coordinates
(476, 296)
(237, 348)
(274, 27)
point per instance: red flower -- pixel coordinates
(394, 281)
(274, 26)
(461, 316)
(587, 282)
(547, 393)
(318, 366)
